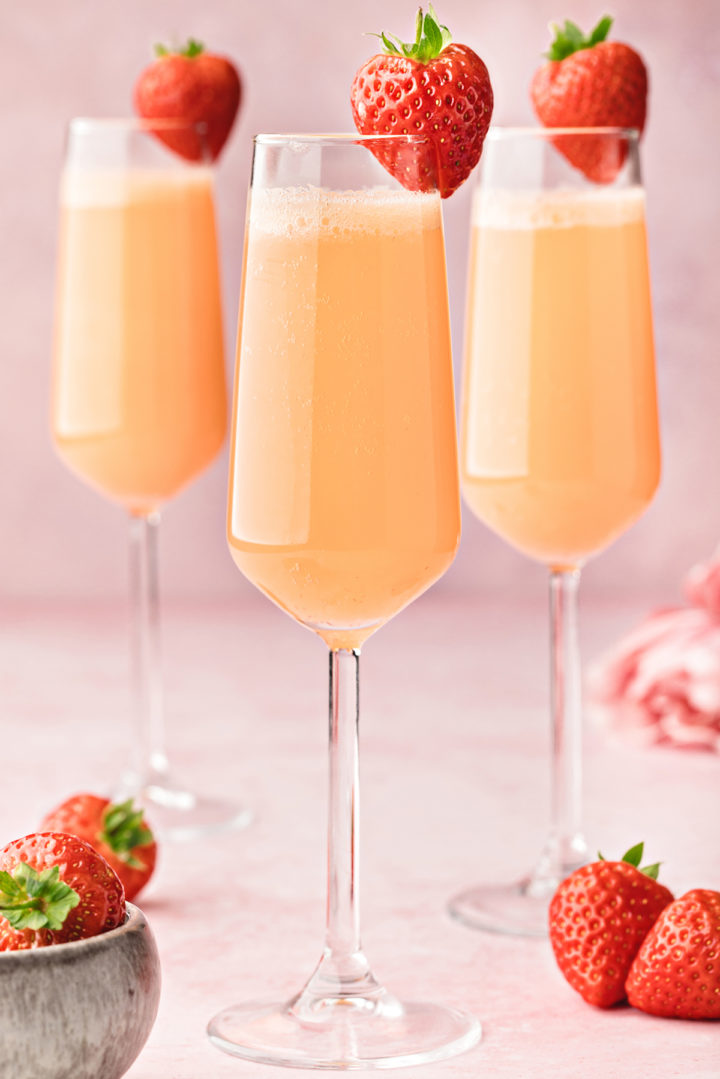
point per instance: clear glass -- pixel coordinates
(139, 398)
(559, 443)
(343, 507)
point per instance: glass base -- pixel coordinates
(518, 910)
(344, 1034)
(178, 815)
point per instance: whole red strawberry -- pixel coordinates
(431, 88)
(599, 917)
(591, 82)
(117, 831)
(191, 85)
(55, 888)
(676, 973)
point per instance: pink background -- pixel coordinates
(61, 540)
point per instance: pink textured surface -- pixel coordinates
(454, 787)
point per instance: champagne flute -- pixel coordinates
(343, 507)
(139, 401)
(559, 444)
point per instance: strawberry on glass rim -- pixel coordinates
(590, 82)
(429, 87)
(194, 86)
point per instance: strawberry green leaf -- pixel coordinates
(419, 23)
(565, 41)
(573, 34)
(433, 34)
(32, 900)
(9, 888)
(601, 31)
(444, 32)
(431, 37)
(29, 919)
(634, 855)
(193, 48)
(123, 830)
(570, 38)
(389, 45)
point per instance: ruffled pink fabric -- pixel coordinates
(661, 683)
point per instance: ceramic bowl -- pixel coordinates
(81, 1010)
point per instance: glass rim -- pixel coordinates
(499, 132)
(342, 138)
(80, 124)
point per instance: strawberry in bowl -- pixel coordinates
(79, 968)
(430, 87)
(55, 888)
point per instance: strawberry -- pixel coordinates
(55, 888)
(195, 86)
(117, 831)
(599, 917)
(676, 973)
(432, 88)
(591, 82)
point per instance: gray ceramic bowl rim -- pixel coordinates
(134, 920)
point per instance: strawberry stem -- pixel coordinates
(191, 49)
(431, 37)
(32, 900)
(569, 38)
(124, 829)
(634, 857)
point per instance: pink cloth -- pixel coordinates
(661, 683)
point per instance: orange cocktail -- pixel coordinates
(139, 402)
(343, 488)
(343, 507)
(560, 439)
(139, 397)
(560, 450)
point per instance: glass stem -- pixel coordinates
(343, 973)
(148, 759)
(566, 849)
(342, 911)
